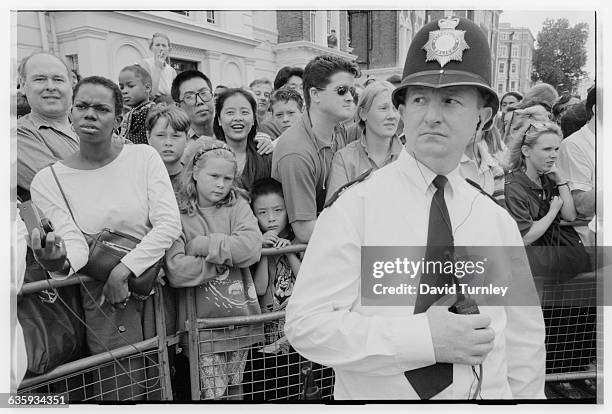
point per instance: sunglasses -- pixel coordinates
(537, 127)
(342, 90)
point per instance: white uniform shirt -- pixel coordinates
(371, 347)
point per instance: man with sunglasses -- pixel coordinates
(399, 346)
(302, 158)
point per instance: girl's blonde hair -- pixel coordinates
(516, 159)
(197, 156)
(367, 97)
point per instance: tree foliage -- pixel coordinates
(561, 54)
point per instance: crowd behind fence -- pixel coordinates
(269, 368)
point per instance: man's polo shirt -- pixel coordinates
(302, 164)
(40, 142)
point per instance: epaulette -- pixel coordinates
(479, 188)
(340, 190)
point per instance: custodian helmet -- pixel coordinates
(449, 52)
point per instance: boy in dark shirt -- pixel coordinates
(135, 84)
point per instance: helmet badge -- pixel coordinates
(447, 43)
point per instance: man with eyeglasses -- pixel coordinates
(302, 158)
(412, 344)
(192, 92)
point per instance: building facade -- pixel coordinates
(380, 39)
(231, 47)
(513, 65)
(304, 34)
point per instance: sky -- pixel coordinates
(534, 20)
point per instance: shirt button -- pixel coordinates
(122, 329)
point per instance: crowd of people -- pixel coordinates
(205, 176)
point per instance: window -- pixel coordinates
(500, 88)
(313, 19)
(73, 62)
(512, 85)
(515, 51)
(503, 51)
(182, 65)
(210, 16)
(502, 67)
(513, 70)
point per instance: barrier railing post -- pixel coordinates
(192, 338)
(162, 348)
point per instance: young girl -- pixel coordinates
(220, 240)
(537, 197)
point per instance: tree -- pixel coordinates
(561, 54)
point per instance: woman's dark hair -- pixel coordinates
(224, 96)
(563, 99)
(573, 119)
(517, 95)
(256, 166)
(99, 80)
(321, 68)
(283, 75)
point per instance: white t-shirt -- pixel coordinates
(166, 77)
(131, 194)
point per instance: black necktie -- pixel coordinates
(431, 380)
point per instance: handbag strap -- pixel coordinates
(64, 197)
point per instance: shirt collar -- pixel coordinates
(61, 125)
(395, 146)
(319, 145)
(422, 176)
(191, 134)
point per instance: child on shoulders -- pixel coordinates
(135, 84)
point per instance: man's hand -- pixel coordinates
(116, 289)
(160, 59)
(52, 257)
(264, 144)
(459, 339)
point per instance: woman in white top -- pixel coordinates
(162, 74)
(115, 186)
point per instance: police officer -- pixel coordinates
(417, 350)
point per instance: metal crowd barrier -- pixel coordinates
(570, 315)
(249, 359)
(136, 372)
